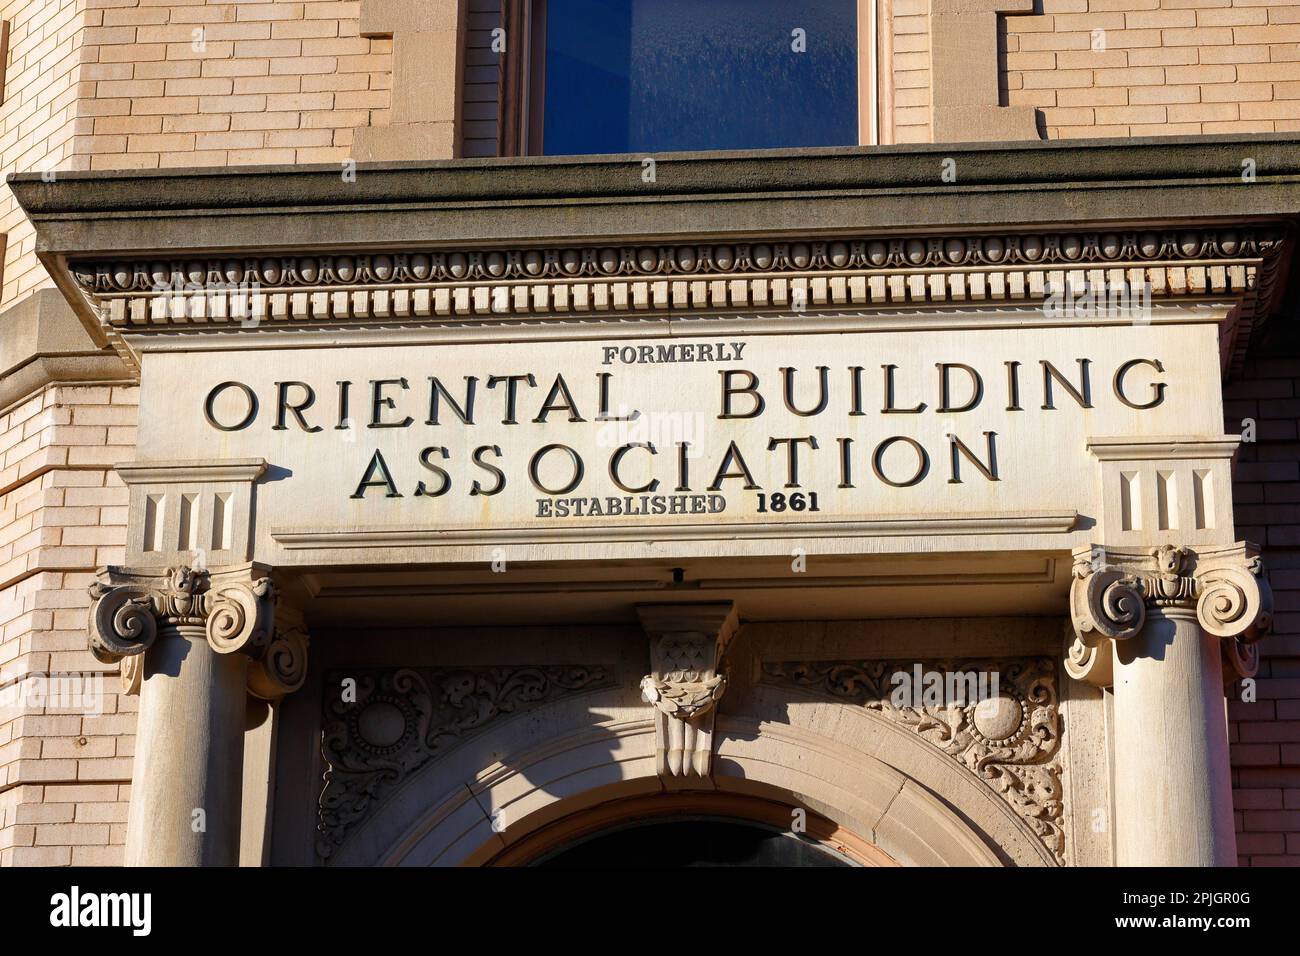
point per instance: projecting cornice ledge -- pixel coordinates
(781, 230)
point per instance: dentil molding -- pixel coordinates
(423, 287)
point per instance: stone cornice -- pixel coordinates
(604, 211)
(1007, 166)
(608, 283)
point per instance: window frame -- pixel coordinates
(521, 95)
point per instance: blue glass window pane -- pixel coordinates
(634, 76)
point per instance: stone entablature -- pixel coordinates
(790, 276)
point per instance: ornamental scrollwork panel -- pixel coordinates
(1008, 734)
(381, 725)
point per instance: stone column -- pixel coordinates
(193, 644)
(1158, 627)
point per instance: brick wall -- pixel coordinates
(64, 774)
(37, 119)
(189, 83)
(1265, 733)
(1165, 67)
(149, 84)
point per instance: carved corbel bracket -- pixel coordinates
(686, 681)
(1113, 591)
(234, 608)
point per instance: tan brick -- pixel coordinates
(1083, 132)
(232, 104)
(1087, 59)
(98, 855)
(69, 834)
(1234, 54)
(243, 67)
(107, 768)
(267, 48)
(1203, 112)
(42, 856)
(1131, 39)
(1274, 33)
(1056, 41)
(160, 142)
(1222, 73)
(1132, 76)
(1235, 126)
(101, 813)
(1160, 18)
(267, 84)
(1140, 95)
(199, 123)
(1095, 96)
(1088, 21)
(1057, 79)
(167, 105)
(1198, 37)
(1114, 115)
(1123, 6)
(1234, 17)
(1236, 92)
(130, 88)
(200, 86)
(127, 124)
(247, 157)
(235, 140)
(1285, 109)
(1160, 56)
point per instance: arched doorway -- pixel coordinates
(506, 798)
(692, 829)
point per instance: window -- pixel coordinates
(646, 76)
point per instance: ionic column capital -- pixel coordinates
(235, 609)
(1114, 589)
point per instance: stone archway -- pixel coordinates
(509, 794)
(609, 818)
